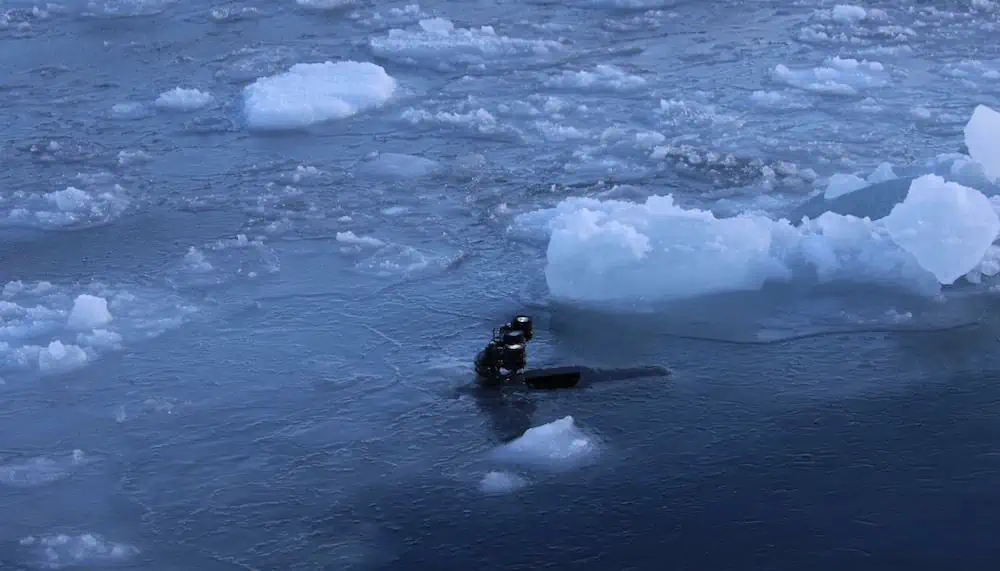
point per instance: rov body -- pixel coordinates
(502, 363)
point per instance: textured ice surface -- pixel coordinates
(947, 227)
(982, 137)
(497, 483)
(602, 77)
(439, 44)
(226, 260)
(399, 165)
(560, 444)
(841, 184)
(49, 328)
(71, 207)
(40, 470)
(840, 76)
(616, 249)
(58, 551)
(325, 4)
(89, 312)
(619, 250)
(310, 93)
(183, 99)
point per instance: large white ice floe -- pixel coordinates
(934, 232)
(611, 250)
(310, 93)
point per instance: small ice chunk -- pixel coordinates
(355, 240)
(181, 99)
(89, 312)
(439, 26)
(65, 208)
(496, 483)
(100, 339)
(398, 165)
(129, 110)
(71, 199)
(130, 157)
(841, 184)
(849, 14)
(196, 261)
(58, 358)
(982, 137)
(310, 93)
(604, 76)
(947, 227)
(439, 44)
(882, 173)
(558, 444)
(324, 4)
(840, 76)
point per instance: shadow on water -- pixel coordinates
(778, 313)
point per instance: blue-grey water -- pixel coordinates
(235, 330)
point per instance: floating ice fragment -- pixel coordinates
(310, 93)
(496, 483)
(89, 312)
(982, 137)
(181, 99)
(947, 227)
(557, 445)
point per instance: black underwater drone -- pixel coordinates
(503, 362)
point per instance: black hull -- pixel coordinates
(556, 378)
(552, 378)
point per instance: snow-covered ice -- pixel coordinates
(89, 312)
(399, 165)
(947, 227)
(225, 260)
(840, 76)
(558, 445)
(310, 93)
(619, 250)
(71, 207)
(183, 99)
(50, 328)
(982, 137)
(325, 4)
(439, 44)
(602, 77)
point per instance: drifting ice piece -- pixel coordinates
(947, 227)
(982, 137)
